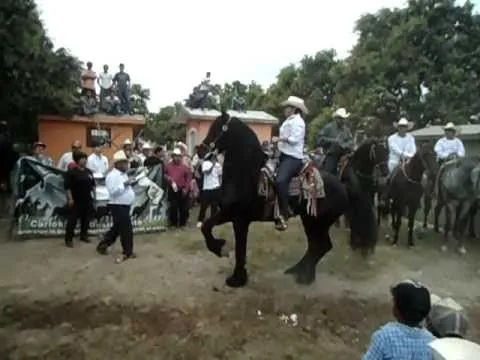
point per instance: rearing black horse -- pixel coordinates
(241, 204)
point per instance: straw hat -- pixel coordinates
(177, 152)
(296, 102)
(450, 126)
(403, 122)
(147, 146)
(127, 142)
(120, 156)
(341, 113)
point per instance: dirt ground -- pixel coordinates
(170, 302)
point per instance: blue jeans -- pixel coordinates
(288, 168)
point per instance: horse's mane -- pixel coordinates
(242, 139)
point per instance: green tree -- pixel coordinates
(35, 77)
(161, 128)
(139, 97)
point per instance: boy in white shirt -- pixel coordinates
(210, 195)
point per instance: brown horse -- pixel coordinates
(406, 189)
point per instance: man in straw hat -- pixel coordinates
(336, 140)
(290, 142)
(122, 197)
(449, 146)
(405, 338)
(401, 145)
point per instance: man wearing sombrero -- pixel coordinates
(449, 146)
(401, 145)
(336, 140)
(291, 141)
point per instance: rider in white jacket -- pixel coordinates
(401, 145)
(449, 145)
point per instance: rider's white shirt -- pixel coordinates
(446, 147)
(292, 129)
(97, 163)
(400, 147)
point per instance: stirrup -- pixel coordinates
(281, 224)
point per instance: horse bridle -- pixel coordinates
(373, 158)
(425, 168)
(212, 146)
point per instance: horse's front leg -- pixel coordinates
(427, 206)
(239, 278)
(216, 246)
(463, 216)
(412, 210)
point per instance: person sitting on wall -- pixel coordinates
(111, 103)
(89, 103)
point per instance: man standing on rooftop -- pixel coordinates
(122, 83)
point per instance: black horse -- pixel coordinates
(241, 204)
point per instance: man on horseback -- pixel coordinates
(336, 140)
(401, 145)
(449, 146)
(291, 141)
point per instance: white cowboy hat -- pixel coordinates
(403, 122)
(177, 151)
(296, 102)
(181, 145)
(341, 113)
(120, 156)
(127, 142)
(454, 348)
(146, 146)
(450, 126)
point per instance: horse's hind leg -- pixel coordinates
(412, 210)
(396, 221)
(239, 277)
(449, 213)
(319, 244)
(436, 215)
(471, 225)
(463, 216)
(427, 206)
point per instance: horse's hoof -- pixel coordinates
(292, 270)
(387, 237)
(306, 277)
(394, 244)
(411, 246)
(239, 278)
(462, 250)
(217, 247)
(444, 248)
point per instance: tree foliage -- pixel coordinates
(428, 44)
(35, 77)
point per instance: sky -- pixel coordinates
(168, 46)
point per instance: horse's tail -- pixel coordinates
(362, 219)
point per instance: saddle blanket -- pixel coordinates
(307, 185)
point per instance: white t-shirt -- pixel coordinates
(97, 163)
(211, 175)
(65, 160)
(105, 80)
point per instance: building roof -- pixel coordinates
(249, 116)
(98, 118)
(469, 131)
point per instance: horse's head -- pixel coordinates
(374, 153)
(428, 158)
(217, 136)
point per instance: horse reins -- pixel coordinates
(213, 144)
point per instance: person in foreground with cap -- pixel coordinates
(66, 160)
(448, 321)
(449, 146)
(290, 142)
(336, 140)
(401, 145)
(179, 177)
(122, 197)
(405, 338)
(80, 186)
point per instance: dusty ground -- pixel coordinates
(170, 303)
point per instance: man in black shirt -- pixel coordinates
(80, 186)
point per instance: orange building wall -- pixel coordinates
(263, 131)
(58, 135)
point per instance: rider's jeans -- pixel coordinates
(289, 167)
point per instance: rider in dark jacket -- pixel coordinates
(336, 139)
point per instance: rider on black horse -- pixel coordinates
(291, 142)
(336, 139)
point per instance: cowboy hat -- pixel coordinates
(454, 348)
(127, 142)
(296, 102)
(177, 151)
(147, 146)
(403, 122)
(341, 113)
(450, 126)
(39, 144)
(120, 156)
(181, 145)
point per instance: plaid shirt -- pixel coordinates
(395, 341)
